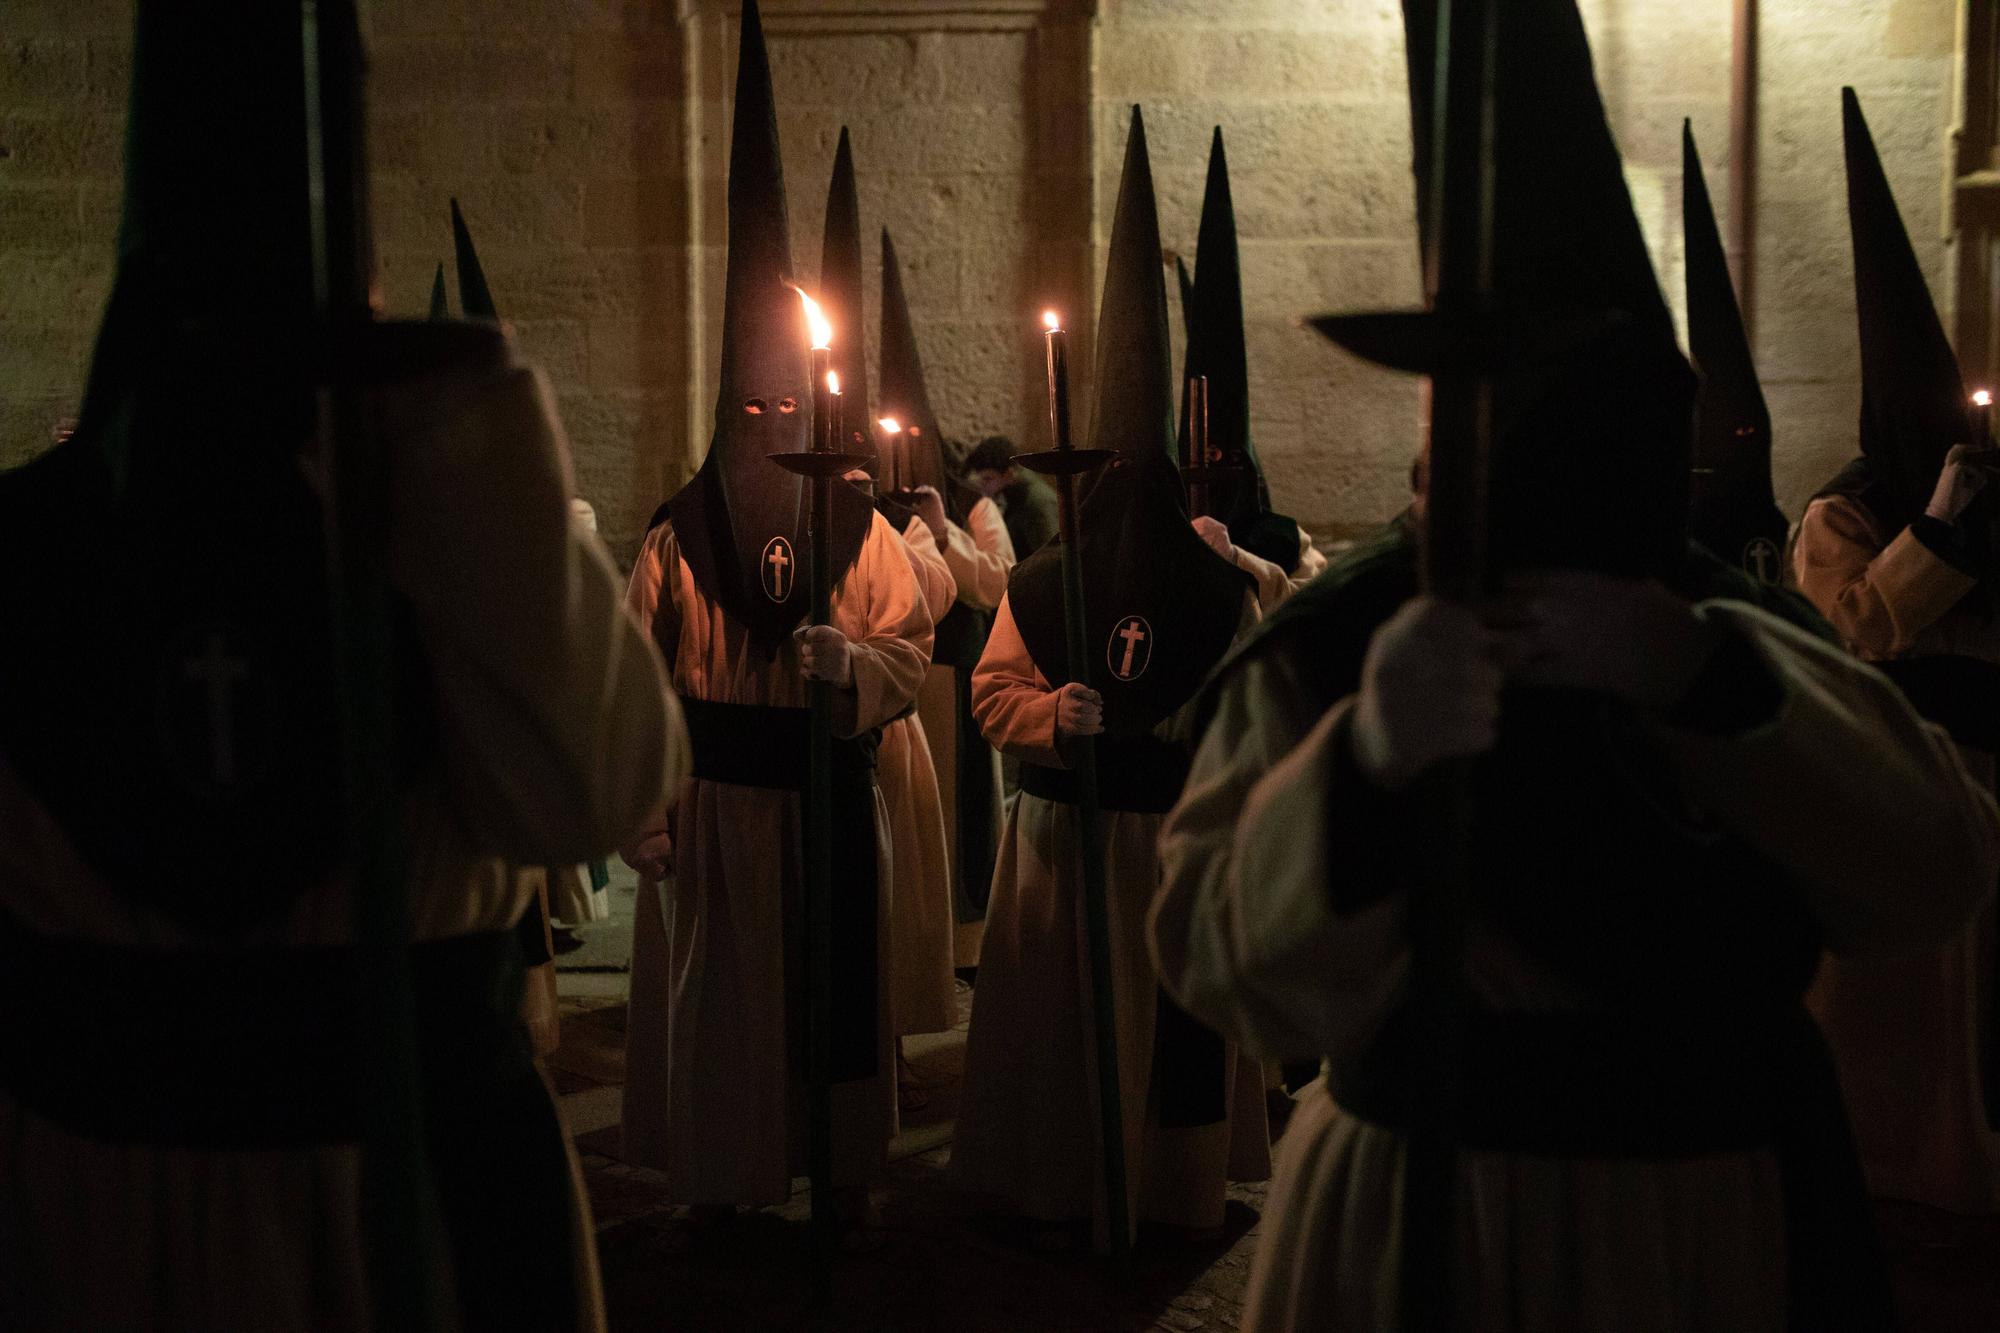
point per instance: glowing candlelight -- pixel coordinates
(833, 381)
(1982, 417)
(1058, 355)
(816, 320)
(892, 428)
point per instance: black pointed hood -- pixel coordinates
(1592, 399)
(1913, 401)
(1239, 495)
(1145, 571)
(188, 720)
(1733, 512)
(740, 510)
(905, 397)
(475, 299)
(438, 309)
(840, 297)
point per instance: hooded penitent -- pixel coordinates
(1162, 607)
(187, 722)
(475, 299)
(1592, 399)
(742, 520)
(904, 397)
(1238, 493)
(1733, 512)
(438, 311)
(1913, 402)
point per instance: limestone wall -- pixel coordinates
(587, 138)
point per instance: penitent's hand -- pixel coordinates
(930, 508)
(1216, 534)
(1967, 472)
(650, 854)
(1574, 629)
(1079, 711)
(1430, 691)
(824, 654)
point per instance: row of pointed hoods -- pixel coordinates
(1592, 460)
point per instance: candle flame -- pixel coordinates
(890, 425)
(1982, 398)
(1053, 320)
(816, 320)
(833, 381)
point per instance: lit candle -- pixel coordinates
(822, 374)
(835, 427)
(1982, 418)
(891, 428)
(1058, 378)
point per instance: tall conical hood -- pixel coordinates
(741, 521)
(905, 397)
(179, 513)
(1591, 397)
(475, 299)
(840, 298)
(1733, 512)
(1162, 607)
(216, 230)
(1239, 495)
(1913, 401)
(438, 309)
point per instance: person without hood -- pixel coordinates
(184, 1140)
(1163, 608)
(917, 968)
(1026, 502)
(1896, 552)
(973, 534)
(715, 1058)
(1241, 526)
(1676, 799)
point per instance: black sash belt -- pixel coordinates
(1633, 1088)
(751, 745)
(237, 1050)
(1137, 774)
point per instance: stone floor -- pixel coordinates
(946, 1263)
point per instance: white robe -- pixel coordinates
(1028, 1119)
(710, 1098)
(980, 556)
(1871, 809)
(557, 735)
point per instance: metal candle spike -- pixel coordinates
(820, 465)
(1066, 464)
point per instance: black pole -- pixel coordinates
(1065, 464)
(399, 1214)
(1196, 462)
(819, 855)
(1454, 567)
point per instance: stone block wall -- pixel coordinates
(587, 139)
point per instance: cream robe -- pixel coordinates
(1906, 1032)
(980, 556)
(557, 735)
(709, 1097)
(921, 990)
(1888, 835)
(1028, 1121)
